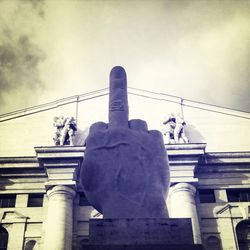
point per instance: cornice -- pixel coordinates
(60, 151)
(185, 154)
(226, 157)
(183, 160)
(185, 146)
(15, 167)
(18, 162)
(224, 162)
(61, 164)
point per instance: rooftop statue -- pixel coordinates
(125, 172)
(65, 130)
(174, 129)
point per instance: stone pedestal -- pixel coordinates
(143, 247)
(144, 234)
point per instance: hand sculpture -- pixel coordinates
(125, 173)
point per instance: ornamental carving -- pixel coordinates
(65, 130)
(174, 129)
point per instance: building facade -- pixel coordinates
(42, 203)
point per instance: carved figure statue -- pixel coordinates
(125, 172)
(174, 129)
(65, 130)
(168, 130)
(179, 133)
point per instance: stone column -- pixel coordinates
(59, 221)
(182, 205)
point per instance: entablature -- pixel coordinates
(14, 167)
(226, 162)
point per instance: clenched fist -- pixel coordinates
(125, 172)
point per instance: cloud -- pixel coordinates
(53, 49)
(19, 60)
(20, 56)
(38, 6)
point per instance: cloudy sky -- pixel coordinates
(50, 49)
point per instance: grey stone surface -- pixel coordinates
(140, 231)
(125, 173)
(143, 247)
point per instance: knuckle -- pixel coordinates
(97, 127)
(138, 124)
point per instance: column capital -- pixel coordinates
(182, 186)
(61, 164)
(183, 161)
(61, 189)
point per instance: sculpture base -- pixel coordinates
(144, 247)
(141, 234)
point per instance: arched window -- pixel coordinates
(213, 243)
(30, 245)
(3, 238)
(243, 234)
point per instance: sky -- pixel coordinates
(195, 49)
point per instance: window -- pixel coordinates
(35, 200)
(206, 196)
(213, 243)
(243, 234)
(3, 238)
(238, 195)
(84, 242)
(30, 245)
(83, 200)
(7, 200)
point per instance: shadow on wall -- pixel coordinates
(193, 134)
(5, 183)
(81, 136)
